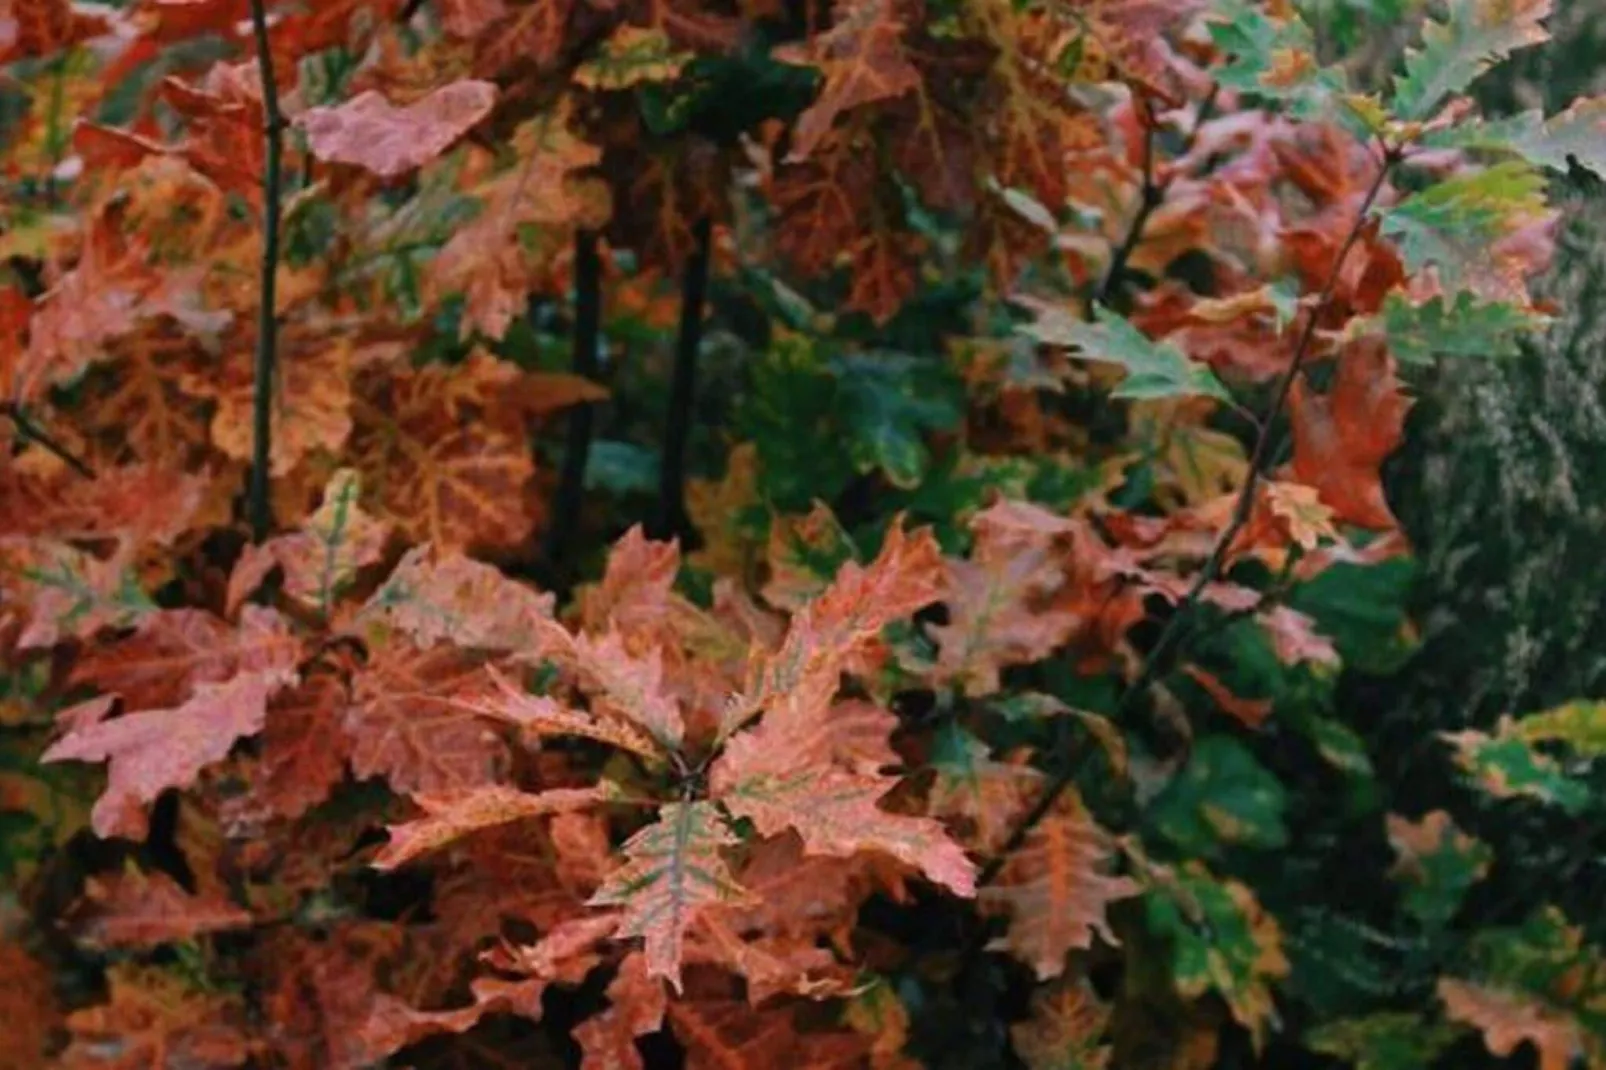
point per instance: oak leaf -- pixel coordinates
(863, 61)
(1508, 1018)
(673, 871)
(152, 1017)
(434, 595)
(1055, 891)
(134, 909)
(374, 134)
(452, 815)
(1064, 1029)
(1342, 437)
(153, 750)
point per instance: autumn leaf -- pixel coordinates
(452, 815)
(1436, 862)
(434, 595)
(324, 557)
(1508, 1018)
(1055, 891)
(835, 811)
(673, 870)
(1223, 941)
(374, 134)
(1342, 437)
(153, 1016)
(1063, 1031)
(1476, 35)
(862, 60)
(153, 750)
(542, 716)
(412, 720)
(134, 909)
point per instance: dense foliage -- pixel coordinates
(677, 532)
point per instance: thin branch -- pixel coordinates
(1158, 660)
(261, 508)
(671, 519)
(32, 432)
(1151, 194)
(583, 362)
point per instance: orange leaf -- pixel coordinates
(372, 133)
(453, 815)
(435, 595)
(1342, 437)
(1055, 891)
(1508, 1018)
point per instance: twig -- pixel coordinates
(1180, 621)
(267, 311)
(583, 362)
(671, 518)
(34, 433)
(1152, 193)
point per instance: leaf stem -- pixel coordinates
(267, 312)
(672, 519)
(34, 433)
(583, 362)
(1180, 621)
(1151, 194)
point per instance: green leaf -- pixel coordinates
(1578, 133)
(1505, 766)
(1388, 1040)
(1437, 864)
(887, 402)
(1222, 797)
(1272, 58)
(1362, 609)
(1465, 327)
(1475, 35)
(1154, 369)
(1450, 225)
(1221, 940)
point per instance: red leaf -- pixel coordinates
(154, 750)
(374, 134)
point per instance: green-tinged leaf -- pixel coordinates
(1450, 225)
(1223, 797)
(887, 402)
(1436, 865)
(1475, 35)
(1222, 940)
(673, 869)
(1154, 369)
(434, 595)
(1507, 766)
(1338, 744)
(1362, 608)
(1388, 1040)
(1272, 57)
(1580, 725)
(1576, 134)
(1464, 327)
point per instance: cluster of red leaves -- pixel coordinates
(645, 790)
